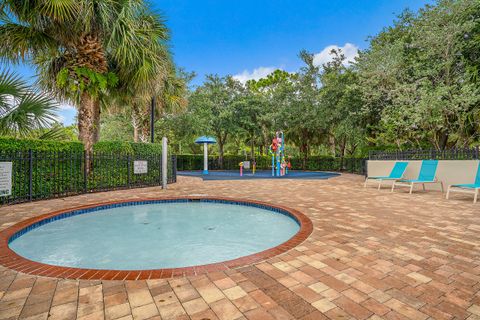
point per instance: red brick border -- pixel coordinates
(12, 260)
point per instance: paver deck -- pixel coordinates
(372, 255)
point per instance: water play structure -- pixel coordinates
(205, 141)
(280, 165)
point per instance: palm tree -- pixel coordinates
(22, 110)
(85, 50)
(170, 95)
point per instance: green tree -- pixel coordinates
(271, 92)
(300, 115)
(341, 105)
(214, 103)
(419, 78)
(250, 113)
(86, 49)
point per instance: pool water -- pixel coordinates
(156, 236)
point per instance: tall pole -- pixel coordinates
(164, 162)
(205, 158)
(152, 121)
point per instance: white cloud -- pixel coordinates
(65, 106)
(258, 73)
(349, 50)
(66, 113)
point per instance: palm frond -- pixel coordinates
(55, 133)
(20, 42)
(22, 110)
(59, 10)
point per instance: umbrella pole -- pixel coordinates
(205, 158)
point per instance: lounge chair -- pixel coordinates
(427, 174)
(467, 187)
(396, 173)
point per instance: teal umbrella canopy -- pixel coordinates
(205, 139)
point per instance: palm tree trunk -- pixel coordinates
(144, 131)
(136, 122)
(135, 130)
(96, 121)
(86, 119)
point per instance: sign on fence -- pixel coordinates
(140, 166)
(5, 178)
(246, 164)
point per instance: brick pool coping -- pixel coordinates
(11, 260)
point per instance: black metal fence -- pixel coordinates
(45, 174)
(313, 163)
(419, 154)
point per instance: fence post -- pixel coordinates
(85, 176)
(128, 170)
(174, 168)
(30, 174)
(164, 162)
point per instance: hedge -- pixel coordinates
(12, 144)
(314, 163)
(58, 167)
(117, 147)
(146, 148)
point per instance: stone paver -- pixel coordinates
(372, 255)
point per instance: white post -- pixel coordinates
(164, 162)
(205, 158)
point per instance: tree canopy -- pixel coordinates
(416, 85)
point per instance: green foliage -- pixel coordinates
(417, 80)
(22, 110)
(119, 147)
(87, 80)
(12, 144)
(315, 163)
(123, 147)
(58, 167)
(89, 51)
(213, 105)
(146, 148)
(106, 147)
(415, 86)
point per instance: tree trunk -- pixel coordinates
(443, 140)
(86, 119)
(144, 133)
(333, 147)
(304, 152)
(220, 153)
(135, 133)
(96, 121)
(252, 151)
(136, 123)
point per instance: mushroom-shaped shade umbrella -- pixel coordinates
(205, 141)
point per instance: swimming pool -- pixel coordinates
(160, 234)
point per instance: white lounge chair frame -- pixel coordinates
(413, 183)
(380, 181)
(473, 191)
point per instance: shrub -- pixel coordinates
(12, 144)
(118, 147)
(313, 163)
(58, 167)
(146, 148)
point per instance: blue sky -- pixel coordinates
(250, 38)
